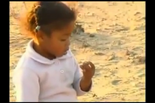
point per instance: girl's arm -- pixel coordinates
(26, 85)
(78, 78)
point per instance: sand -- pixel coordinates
(114, 40)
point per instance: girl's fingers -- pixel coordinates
(92, 65)
(87, 66)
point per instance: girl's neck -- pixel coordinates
(42, 52)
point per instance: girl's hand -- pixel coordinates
(88, 70)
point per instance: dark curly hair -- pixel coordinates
(49, 16)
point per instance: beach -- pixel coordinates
(113, 39)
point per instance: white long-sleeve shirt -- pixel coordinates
(38, 79)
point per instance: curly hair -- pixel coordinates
(49, 16)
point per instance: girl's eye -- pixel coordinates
(63, 39)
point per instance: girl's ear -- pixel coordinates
(39, 36)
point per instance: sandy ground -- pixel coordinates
(114, 40)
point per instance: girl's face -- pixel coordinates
(58, 43)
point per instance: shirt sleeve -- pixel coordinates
(26, 85)
(77, 78)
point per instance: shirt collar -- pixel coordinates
(37, 57)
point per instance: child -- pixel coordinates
(47, 71)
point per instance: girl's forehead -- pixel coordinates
(63, 32)
(67, 30)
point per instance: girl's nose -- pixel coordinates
(68, 42)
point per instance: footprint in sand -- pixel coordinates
(139, 59)
(111, 57)
(115, 82)
(141, 27)
(98, 72)
(99, 53)
(140, 19)
(141, 75)
(140, 85)
(141, 72)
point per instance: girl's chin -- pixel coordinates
(62, 54)
(65, 53)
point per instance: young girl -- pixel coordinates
(48, 71)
